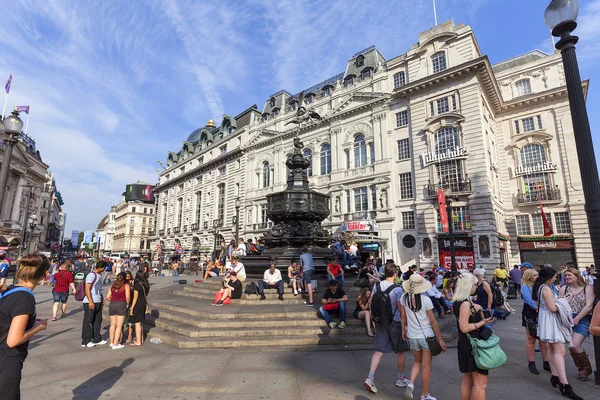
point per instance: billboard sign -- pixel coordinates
(88, 236)
(139, 192)
(358, 226)
(443, 210)
(74, 238)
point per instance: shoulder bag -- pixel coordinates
(487, 353)
(432, 342)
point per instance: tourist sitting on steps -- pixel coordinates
(334, 300)
(231, 290)
(238, 268)
(335, 272)
(271, 280)
(295, 277)
(212, 270)
(363, 309)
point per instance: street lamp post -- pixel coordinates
(238, 204)
(216, 224)
(32, 225)
(10, 134)
(560, 17)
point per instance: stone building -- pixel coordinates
(393, 132)
(133, 223)
(105, 233)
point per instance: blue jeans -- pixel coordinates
(339, 278)
(175, 276)
(341, 309)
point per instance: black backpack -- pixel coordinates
(382, 310)
(251, 288)
(497, 297)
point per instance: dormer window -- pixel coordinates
(360, 61)
(349, 81)
(326, 91)
(273, 101)
(309, 98)
(523, 87)
(292, 106)
(438, 62)
(366, 74)
(275, 112)
(264, 117)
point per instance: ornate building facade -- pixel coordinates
(394, 131)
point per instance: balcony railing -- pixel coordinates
(177, 229)
(185, 228)
(195, 227)
(161, 232)
(457, 187)
(360, 215)
(550, 195)
(263, 225)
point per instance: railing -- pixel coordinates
(161, 232)
(177, 229)
(185, 228)
(195, 227)
(457, 187)
(360, 215)
(168, 231)
(550, 195)
(263, 225)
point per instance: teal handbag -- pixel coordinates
(487, 353)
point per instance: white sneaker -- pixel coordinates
(402, 382)
(332, 325)
(408, 393)
(368, 383)
(117, 347)
(101, 343)
(429, 397)
(295, 292)
(90, 344)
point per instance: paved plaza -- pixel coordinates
(58, 368)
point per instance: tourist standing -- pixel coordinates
(308, 268)
(529, 317)
(418, 324)
(18, 323)
(4, 267)
(595, 324)
(63, 279)
(137, 313)
(581, 299)
(551, 329)
(516, 276)
(175, 268)
(119, 296)
(388, 338)
(470, 319)
(92, 308)
(483, 294)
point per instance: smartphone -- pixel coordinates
(487, 313)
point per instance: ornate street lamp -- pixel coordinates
(560, 17)
(238, 204)
(32, 225)
(10, 134)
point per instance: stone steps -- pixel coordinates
(253, 300)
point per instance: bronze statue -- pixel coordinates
(304, 115)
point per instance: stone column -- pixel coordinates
(17, 200)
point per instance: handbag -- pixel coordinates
(432, 342)
(487, 353)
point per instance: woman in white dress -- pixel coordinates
(550, 332)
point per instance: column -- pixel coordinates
(17, 200)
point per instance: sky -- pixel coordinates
(114, 85)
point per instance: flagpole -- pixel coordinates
(6, 97)
(435, 13)
(27, 123)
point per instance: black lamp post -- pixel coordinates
(238, 204)
(32, 225)
(216, 224)
(560, 17)
(447, 193)
(9, 132)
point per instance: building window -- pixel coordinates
(408, 220)
(347, 153)
(307, 154)
(143, 230)
(366, 74)
(374, 197)
(401, 118)
(536, 185)
(533, 154)
(164, 216)
(151, 211)
(348, 201)
(273, 101)
(45, 201)
(360, 61)
(445, 139)
(198, 207)
(523, 87)
(132, 209)
(406, 187)
(438, 62)
(442, 105)
(309, 98)
(266, 174)
(372, 152)
(131, 230)
(528, 124)
(179, 211)
(562, 222)
(360, 151)
(221, 203)
(264, 117)
(399, 79)
(223, 149)
(326, 159)
(144, 221)
(349, 81)
(145, 210)
(326, 91)
(360, 199)
(461, 219)
(539, 121)
(223, 170)
(292, 106)
(403, 149)
(199, 179)
(263, 213)
(523, 226)
(538, 224)
(132, 220)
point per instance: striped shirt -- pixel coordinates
(63, 279)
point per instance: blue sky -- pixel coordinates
(114, 85)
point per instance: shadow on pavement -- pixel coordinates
(94, 387)
(33, 345)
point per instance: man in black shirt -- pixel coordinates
(334, 299)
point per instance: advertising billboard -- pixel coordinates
(88, 236)
(74, 237)
(140, 192)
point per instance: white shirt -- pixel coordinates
(418, 325)
(240, 269)
(353, 250)
(272, 278)
(433, 292)
(241, 249)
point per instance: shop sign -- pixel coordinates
(450, 154)
(463, 259)
(464, 242)
(539, 167)
(361, 226)
(443, 212)
(369, 246)
(546, 245)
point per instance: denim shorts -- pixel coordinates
(389, 338)
(60, 297)
(583, 327)
(307, 276)
(418, 344)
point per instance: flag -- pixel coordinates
(443, 210)
(23, 109)
(8, 82)
(547, 227)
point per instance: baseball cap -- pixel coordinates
(526, 264)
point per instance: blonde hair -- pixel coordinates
(575, 271)
(528, 277)
(464, 287)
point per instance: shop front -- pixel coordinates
(547, 251)
(365, 234)
(503, 244)
(463, 251)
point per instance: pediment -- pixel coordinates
(261, 135)
(20, 158)
(355, 101)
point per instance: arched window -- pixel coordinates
(264, 117)
(438, 62)
(266, 174)
(360, 151)
(523, 87)
(326, 159)
(273, 101)
(195, 243)
(307, 153)
(366, 73)
(449, 172)
(399, 79)
(536, 186)
(292, 105)
(360, 61)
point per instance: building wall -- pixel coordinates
(134, 221)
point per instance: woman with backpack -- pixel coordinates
(18, 323)
(483, 294)
(418, 324)
(118, 295)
